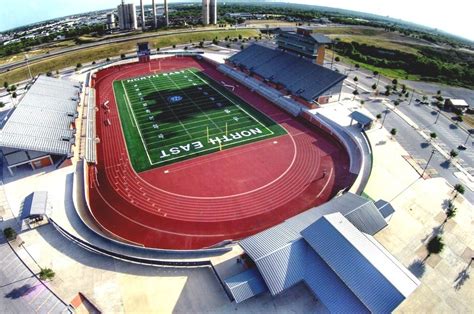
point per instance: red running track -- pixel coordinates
(226, 195)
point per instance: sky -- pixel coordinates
(453, 16)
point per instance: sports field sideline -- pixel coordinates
(169, 117)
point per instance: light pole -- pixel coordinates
(437, 117)
(426, 167)
(411, 98)
(384, 117)
(28, 65)
(468, 136)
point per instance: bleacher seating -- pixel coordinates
(300, 76)
(271, 94)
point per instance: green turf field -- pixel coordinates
(170, 117)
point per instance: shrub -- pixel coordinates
(46, 274)
(9, 233)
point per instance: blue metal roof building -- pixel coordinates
(330, 249)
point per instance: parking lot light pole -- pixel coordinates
(437, 117)
(427, 164)
(384, 117)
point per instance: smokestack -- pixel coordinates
(205, 12)
(142, 8)
(166, 13)
(153, 6)
(213, 12)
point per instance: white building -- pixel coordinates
(127, 16)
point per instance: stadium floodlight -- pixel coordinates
(28, 65)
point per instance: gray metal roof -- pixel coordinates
(35, 204)
(329, 288)
(355, 206)
(42, 120)
(321, 39)
(245, 285)
(284, 257)
(361, 118)
(372, 274)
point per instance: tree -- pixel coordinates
(362, 102)
(5, 85)
(376, 73)
(438, 93)
(242, 47)
(453, 154)
(9, 233)
(395, 82)
(425, 98)
(93, 62)
(79, 65)
(378, 116)
(107, 60)
(435, 245)
(374, 86)
(46, 274)
(174, 46)
(201, 44)
(13, 88)
(123, 56)
(356, 78)
(357, 66)
(393, 132)
(186, 48)
(459, 189)
(2, 104)
(49, 73)
(433, 135)
(355, 93)
(337, 59)
(396, 103)
(240, 37)
(14, 95)
(450, 211)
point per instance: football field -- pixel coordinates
(170, 117)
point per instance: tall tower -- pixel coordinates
(213, 12)
(153, 7)
(167, 20)
(142, 10)
(205, 12)
(127, 16)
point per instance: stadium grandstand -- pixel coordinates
(331, 249)
(40, 130)
(306, 82)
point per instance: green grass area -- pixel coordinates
(390, 73)
(170, 117)
(111, 50)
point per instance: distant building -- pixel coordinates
(127, 16)
(205, 12)
(457, 104)
(305, 43)
(111, 20)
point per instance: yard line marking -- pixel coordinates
(138, 128)
(212, 121)
(237, 105)
(171, 109)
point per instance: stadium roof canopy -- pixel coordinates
(42, 120)
(301, 77)
(327, 248)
